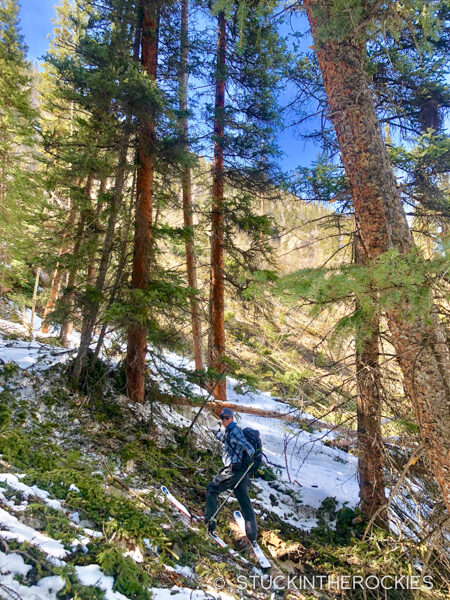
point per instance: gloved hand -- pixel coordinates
(246, 460)
(218, 433)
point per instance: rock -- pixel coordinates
(86, 524)
(130, 466)
(273, 500)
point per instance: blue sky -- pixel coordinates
(36, 26)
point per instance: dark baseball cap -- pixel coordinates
(227, 412)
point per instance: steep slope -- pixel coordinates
(82, 516)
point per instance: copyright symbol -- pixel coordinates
(219, 583)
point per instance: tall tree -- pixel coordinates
(137, 331)
(247, 67)
(19, 188)
(117, 44)
(217, 299)
(67, 324)
(57, 274)
(368, 412)
(93, 300)
(186, 188)
(421, 347)
(55, 124)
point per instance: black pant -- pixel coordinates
(225, 480)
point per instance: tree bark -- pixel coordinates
(57, 275)
(54, 291)
(369, 402)
(92, 307)
(92, 265)
(33, 302)
(137, 331)
(421, 348)
(67, 326)
(217, 298)
(186, 186)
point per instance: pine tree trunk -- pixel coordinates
(67, 326)
(57, 275)
(369, 403)
(94, 237)
(186, 186)
(217, 299)
(120, 270)
(137, 332)
(54, 291)
(92, 308)
(33, 302)
(421, 349)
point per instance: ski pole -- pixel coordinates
(213, 518)
(211, 391)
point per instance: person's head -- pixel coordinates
(226, 416)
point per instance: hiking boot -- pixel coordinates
(241, 544)
(211, 525)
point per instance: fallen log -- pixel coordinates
(217, 407)
(292, 417)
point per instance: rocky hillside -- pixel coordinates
(82, 515)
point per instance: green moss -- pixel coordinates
(50, 341)
(33, 556)
(349, 523)
(106, 409)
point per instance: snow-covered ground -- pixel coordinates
(308, 472)
(32, 356)
(12, 564)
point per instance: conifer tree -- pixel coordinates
(368, 412)
(421, 346)
(117, 47)
(89, 82)
(19, 184)
(186, 186)
(64, 181)
(247, 67)
(137, 331)
(55, 121)
(217, 299)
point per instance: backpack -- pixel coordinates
(254, 438)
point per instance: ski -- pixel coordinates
(262, 560)
(171, 498)
(194, 519)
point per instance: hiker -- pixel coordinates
(236, 457)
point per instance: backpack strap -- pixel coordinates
(227, 438)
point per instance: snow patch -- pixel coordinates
(29, 491)
(45, 589)
(12, 528)
(182, 593)
(93, 575)
(13, 563)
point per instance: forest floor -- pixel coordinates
(82, 515)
